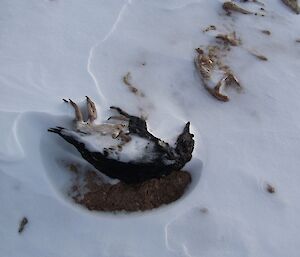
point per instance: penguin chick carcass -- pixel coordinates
(125, 149)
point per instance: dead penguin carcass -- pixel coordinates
(125, 149)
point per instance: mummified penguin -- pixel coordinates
(123, 148)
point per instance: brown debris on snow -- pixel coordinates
(230, 39)
(99, 196)
(22, 224)
(133, 89)
(210, 63)
(207, 63)
(293, 5)
(232, 7)
(266, 32)
(270, 189)
(259, 56)
(209, 28)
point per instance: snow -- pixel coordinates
(57, 49)
(138, 149)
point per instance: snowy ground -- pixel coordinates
(57, 49)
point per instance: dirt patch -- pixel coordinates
(94, 193)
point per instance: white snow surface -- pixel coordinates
(57, 49)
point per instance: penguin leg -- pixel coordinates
(78, 114)
(92, 111)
